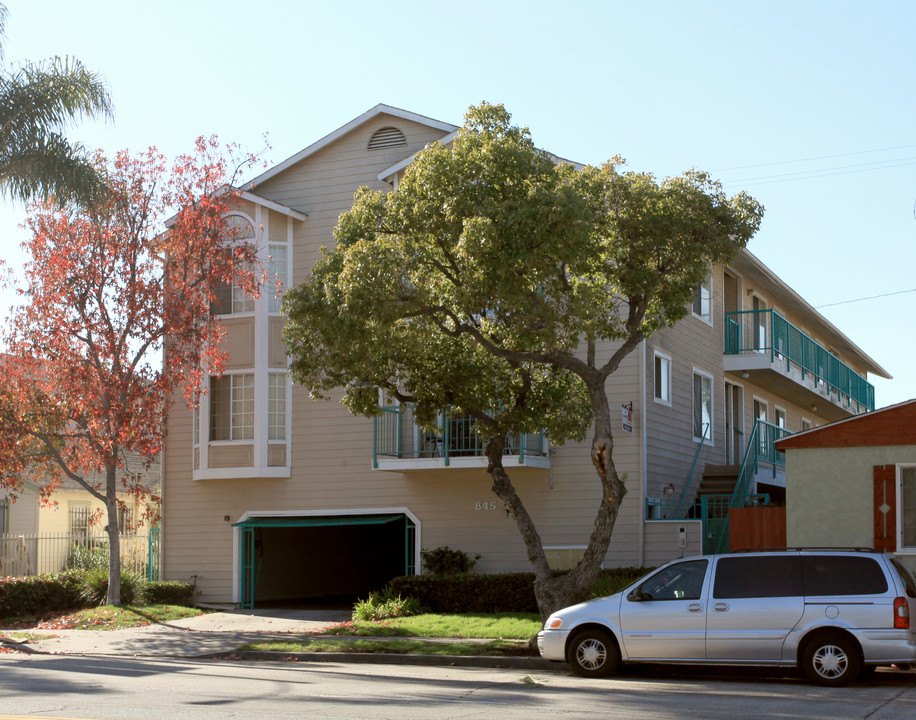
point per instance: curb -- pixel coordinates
(499, 662)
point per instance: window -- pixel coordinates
(276, 411)
(124, 515)
(232, 407)
(780, 418)
(761, 576)
(760, 413)
(662, 378)
(4, 517)
(907, 508)
(231, 298)
(842, 575)
(702, 299)
(681, 581)
(277, 269)
(805, 424)
(702, 406)
(80, 516)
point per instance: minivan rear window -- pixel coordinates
(758, 576)
(908, 581)
(842, 575)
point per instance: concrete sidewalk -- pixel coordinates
(219, 634)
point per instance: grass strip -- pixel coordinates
(110, 617)
(515, 626)
(499, 648)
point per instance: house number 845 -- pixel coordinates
(485, 505)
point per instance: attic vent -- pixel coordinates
(387, 137)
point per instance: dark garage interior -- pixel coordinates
(322, 561)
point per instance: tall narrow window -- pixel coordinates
(662, 378)
(763, 436)
(702, 299)
(4, 517)
(907, 508)
(276, 411)
(80, 514)
(231, 298)
(702, 406)
(232, 407)
(761, 316)
(276, 276)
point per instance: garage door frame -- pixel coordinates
(244, 572)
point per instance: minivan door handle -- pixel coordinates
(720, 607)
(695, 607)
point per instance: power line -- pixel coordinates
(819, 157)
(825, 172)
(873, 297)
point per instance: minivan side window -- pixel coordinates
(681, 581)
(758, 576)
(842, 575)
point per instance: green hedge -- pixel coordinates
(468, 593)
(505, 592)
(77, 589)
(41, 593)
(168, 592)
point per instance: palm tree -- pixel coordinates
(37, 101)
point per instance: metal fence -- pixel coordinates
(40, 553)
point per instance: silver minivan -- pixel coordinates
(837, 614)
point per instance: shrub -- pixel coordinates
(41, 593)
(87, 557)
(171, 592)
(384, 606)
(445, 561)
(95, 586)
(467, 593)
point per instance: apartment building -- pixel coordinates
(269, 496)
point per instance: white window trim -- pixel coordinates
(806, 420)
(901, 548)
(776, 410)
(662, 401)
(708, 318)
(710, 439)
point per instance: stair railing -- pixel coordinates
(696, 457)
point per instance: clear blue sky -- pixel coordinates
(809, 106)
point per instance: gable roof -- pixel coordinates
(379, 109)
(893, 425)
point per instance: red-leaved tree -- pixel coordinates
(87, 378)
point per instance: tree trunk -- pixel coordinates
(114, 538)
(554, 592)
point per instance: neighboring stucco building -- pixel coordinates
(269, 496)
(853, 483)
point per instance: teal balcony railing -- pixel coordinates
(396, 435)
(766, 331)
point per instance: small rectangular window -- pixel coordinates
(805, 424)
(276, 410)
(907, 508)
(762, 576)
(276, 276)
(842, 575)
(662, 378)
(232, 407)
(702, 406)
(702, 299)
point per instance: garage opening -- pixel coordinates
(322, 560)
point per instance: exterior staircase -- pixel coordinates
(718, 480)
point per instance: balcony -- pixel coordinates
(399, 444)
(777, 356)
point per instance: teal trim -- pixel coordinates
(152, 561)
(317, 521)
(250, 568)
(766, 331)
(696, 457)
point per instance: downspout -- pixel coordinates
(643, 459)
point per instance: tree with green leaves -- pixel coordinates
(37, 101)
(500, 283)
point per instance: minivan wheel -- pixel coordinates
(593, 653)
(831, 660)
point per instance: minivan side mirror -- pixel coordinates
(637, 596)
